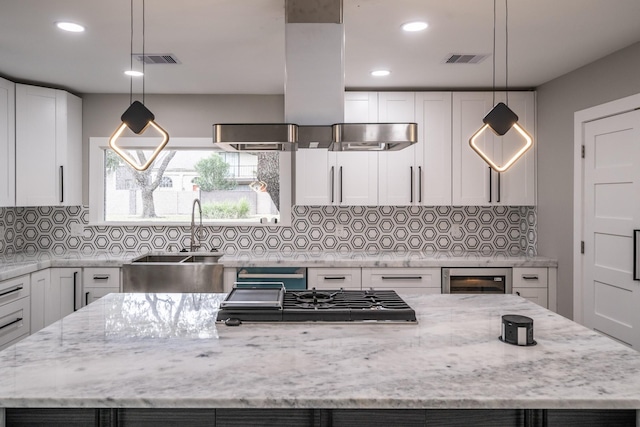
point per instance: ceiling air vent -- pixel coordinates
(459, 58)
(157, 58)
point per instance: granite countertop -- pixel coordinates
(165, 350)
(14, 265)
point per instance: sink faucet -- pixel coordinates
(195, 234)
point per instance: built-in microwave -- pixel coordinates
(476, 280)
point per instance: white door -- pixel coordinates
(611, 213)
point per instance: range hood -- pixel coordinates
(314, 94)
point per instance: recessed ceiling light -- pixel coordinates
(415, 26)
(380, 73)
(134, 73)
(70, 26)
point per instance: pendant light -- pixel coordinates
(137, 117)
(501, 119)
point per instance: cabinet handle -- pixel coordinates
(86, 298)
(333, 187)
(11, 323)
(530, 277)
(340, 184)
(335, 277)
(100, 277)
(75, 289)
(61, 184)
(410, 184)
(498, 198)
(401, 277)
(490, 184)
(518, 293)
(16, 289)
(419, 184)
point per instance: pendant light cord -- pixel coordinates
(143, 58)
(131, 56)
(493, 87)
(506, 50)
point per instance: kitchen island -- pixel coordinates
(132, 357)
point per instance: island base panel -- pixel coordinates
(128, 417)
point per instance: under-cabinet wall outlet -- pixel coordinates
(340, 231)
(77, 230)
(455, 231)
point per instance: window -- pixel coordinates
(233, 188)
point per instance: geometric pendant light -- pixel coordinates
(501, 119)
(137, 117)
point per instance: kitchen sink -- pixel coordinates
(186, 272)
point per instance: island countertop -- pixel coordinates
(167, 351)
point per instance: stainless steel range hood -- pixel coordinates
(255, 136)
(314, 94)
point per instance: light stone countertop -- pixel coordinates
(166, 351)
(14, 265)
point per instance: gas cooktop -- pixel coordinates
(280, 305)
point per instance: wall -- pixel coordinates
(489, 230)
(608, 79)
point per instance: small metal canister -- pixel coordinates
(517, 330)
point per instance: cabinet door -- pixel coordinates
(433, 116)
(315, 177)
(7, 143)
(62, 295)
(473, 182)
(48, 147)
(408, 280)
(532, 283)
(334, 278)
(399, 170)
(98, 282)
(356, 179)
(40, 283)
(15, 320)
(536, 295)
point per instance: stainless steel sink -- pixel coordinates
(186, 272)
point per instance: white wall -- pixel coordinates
(610, 78)
(179, 115)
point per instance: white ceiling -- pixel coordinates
(237, 46)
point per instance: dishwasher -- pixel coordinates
(290, 277)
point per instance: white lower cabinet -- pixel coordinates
(98, 282)
(532, 284)
(334, 278)
(15, 310)
(408, 280)
(55, 294)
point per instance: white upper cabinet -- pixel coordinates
(474, 183)
(420, 174)
(340, 178)
(7, 143)
(48, 147)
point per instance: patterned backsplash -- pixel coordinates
(505, 229)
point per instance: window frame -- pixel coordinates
(97, 146)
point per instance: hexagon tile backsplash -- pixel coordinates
(508, 229)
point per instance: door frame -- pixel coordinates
(580, 118)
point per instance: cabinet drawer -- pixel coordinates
(536, 295)
(101, 278)
(334, 278)
(95, 293)
(14, 320)
(530, 277)
(401, 278)
(14, 289)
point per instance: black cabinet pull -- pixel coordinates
(419, 184)
(11, 323)
(531, 277)
(17, 289)
(61, 184)
(333, 179)
(86, 298)
(498, 198)
(490, 184)
(334, 277)
(340, 184)
(410, 184)
(101, 277)
(75, 290)
(518, 293)
(401, 277)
